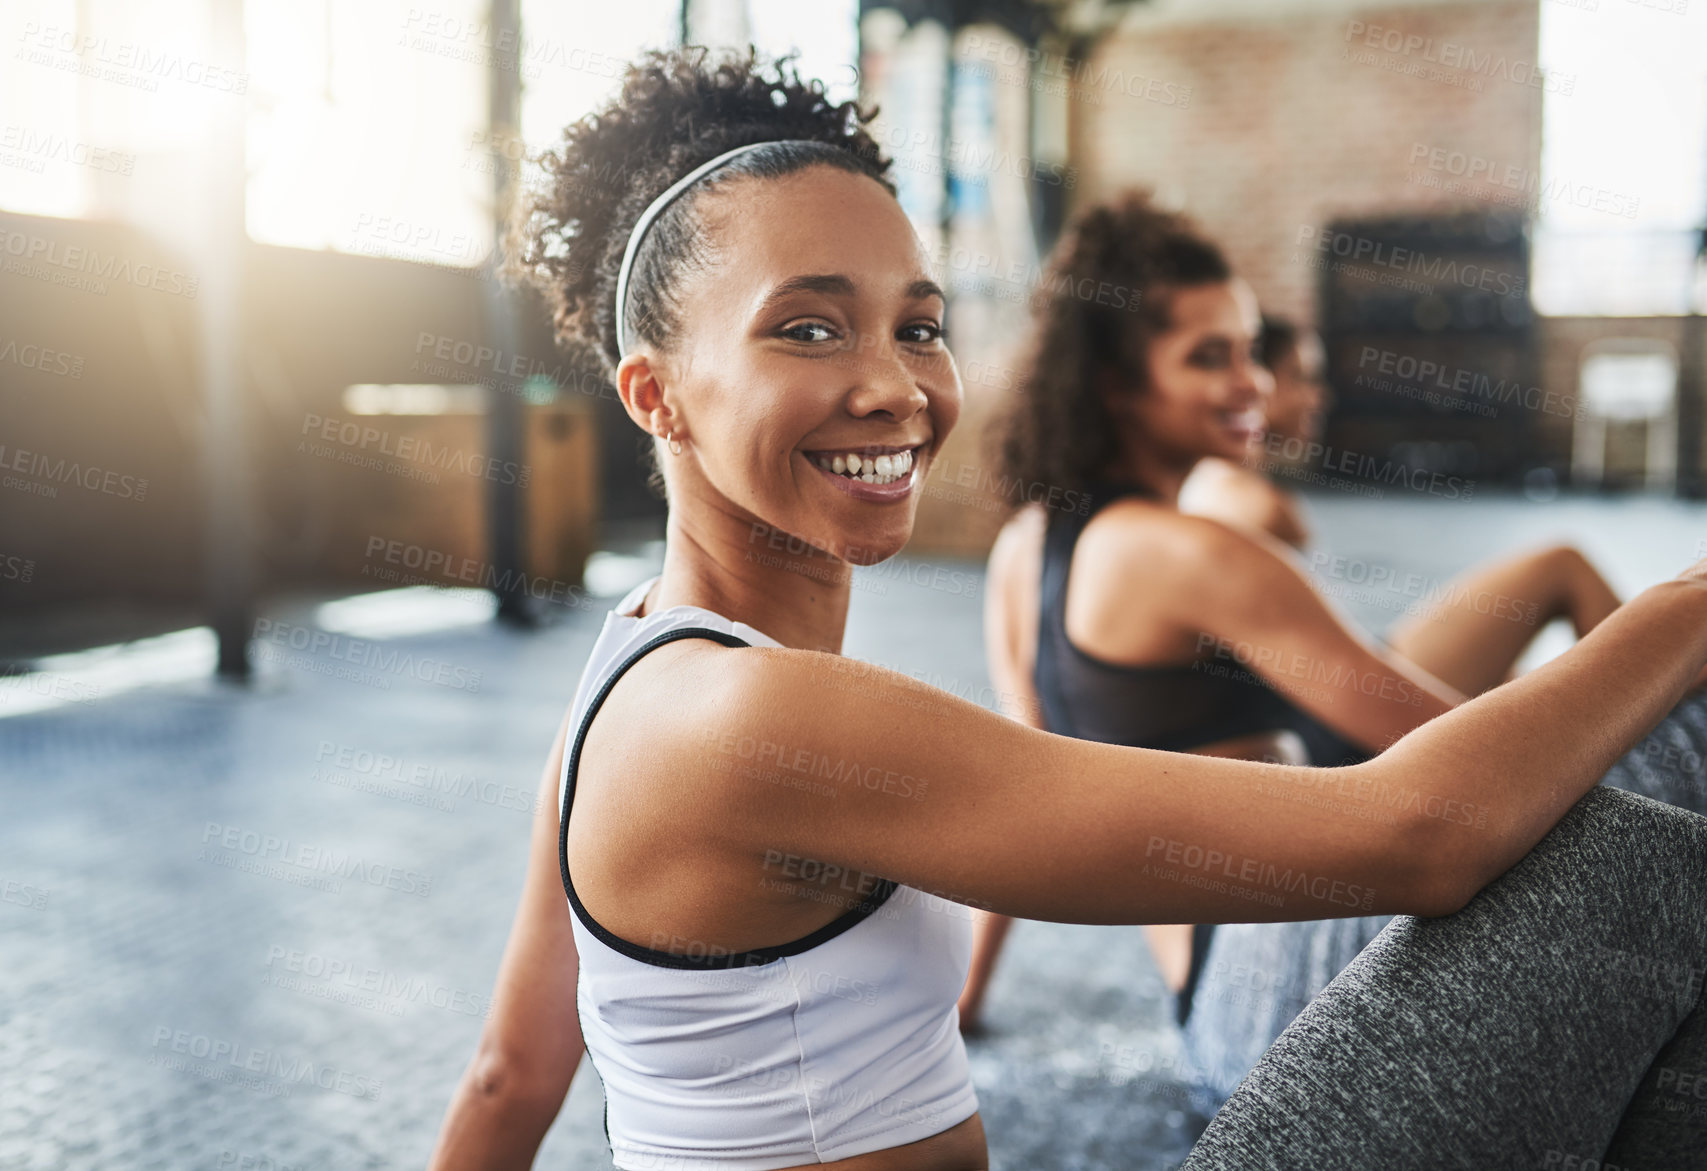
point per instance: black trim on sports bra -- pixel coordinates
(663, 959)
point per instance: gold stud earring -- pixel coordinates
(675, 444)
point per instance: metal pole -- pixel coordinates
(945, 217)
(505, 414)
(228, 552)
(1692, 392)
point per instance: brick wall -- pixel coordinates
(1263, 122)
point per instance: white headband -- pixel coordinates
(653, 211)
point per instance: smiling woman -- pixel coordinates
(750, 905)
(858, 352)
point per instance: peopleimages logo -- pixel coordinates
(807, 762)
(1463, 60)
(361, 437)
(1258, 873)
(1513, 177)
(362, 655)
(104, 266)
(267, 1062)
(923, 150)
(1015, 489)
(34, 357)
(60, 470)
(126, 62)
(20, 569)
(1078, 72)
(979, 271)
(1367, 467)
(315, 859)
(1439, 269)
(421, 782)
(1469, 385)
(366, 986)
(1269, 662)
(434, 566)
(44, 147)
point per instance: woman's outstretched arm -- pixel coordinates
(531, 1044)
(1011, 819)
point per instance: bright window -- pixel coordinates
(1623, 189)
(361, 119)
(577, 54)
(825, 33)
(104, 102)
(367, 122)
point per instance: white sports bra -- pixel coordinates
(836, 1044)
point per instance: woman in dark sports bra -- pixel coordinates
(1173, 707)
(1181, 632)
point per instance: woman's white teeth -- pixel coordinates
(882, 469)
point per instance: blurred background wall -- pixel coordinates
(1422, 126)
(251, 346)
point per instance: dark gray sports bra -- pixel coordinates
(1173, 707)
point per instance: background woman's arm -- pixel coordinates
(1011, 600)
(531, 1044)
(1256, 608)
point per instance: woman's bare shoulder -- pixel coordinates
(1241, 497)
(1136, 533)
(1027, 524)
(1016, 556)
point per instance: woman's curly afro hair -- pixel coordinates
(1061, 432)
(677, 108)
